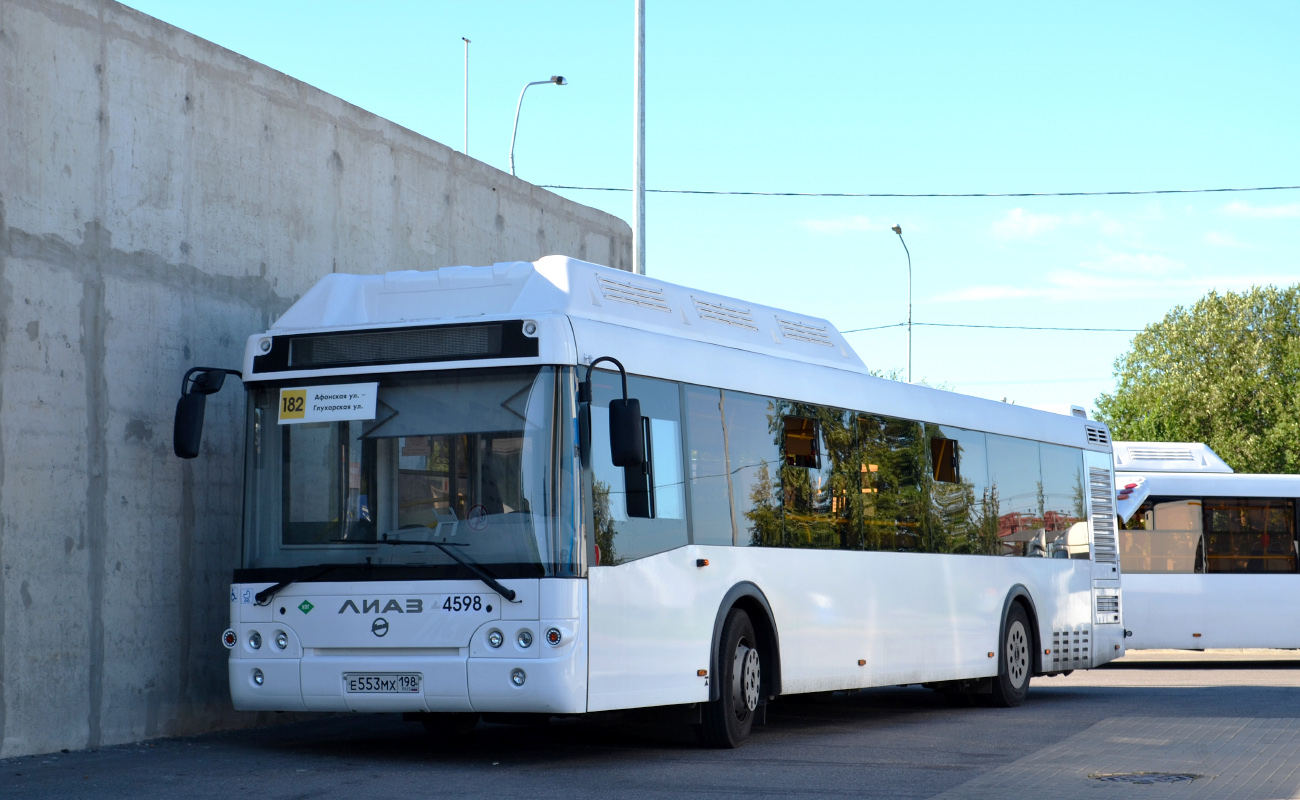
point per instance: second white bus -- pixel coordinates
(1209, 556)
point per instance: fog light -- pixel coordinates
(525, 638)
(553, 636)
(517, 677)
(258, 677)
(229, 638)
(255, 640)
(281, 639)
(495, 638)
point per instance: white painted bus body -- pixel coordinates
(641, 633)
(1200, 611)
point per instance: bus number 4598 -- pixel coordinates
(463, 603)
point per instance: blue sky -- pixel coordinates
(870, 97)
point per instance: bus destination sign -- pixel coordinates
(334, 403)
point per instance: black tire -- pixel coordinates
(1016, 661)
(450, 727)
(727, 721)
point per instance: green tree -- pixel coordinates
(1225, 372)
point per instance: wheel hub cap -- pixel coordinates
(745, 672)
(1017, 654)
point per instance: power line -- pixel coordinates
(929, 194)
(996, 327)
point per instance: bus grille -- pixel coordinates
(1070, 650)
(1107, 609)
(1103, 516)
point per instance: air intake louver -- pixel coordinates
(1070, 650)
(1107, 607)
(1102, 495)
(1160, 454)
(803, 332)
(625, 292)
(728, 315)
(1097, 435)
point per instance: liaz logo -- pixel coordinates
(414, 605)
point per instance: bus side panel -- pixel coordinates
(1229, 611)
(912, 618)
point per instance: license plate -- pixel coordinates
(382, 683)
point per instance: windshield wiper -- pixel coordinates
(303, 574)
(480, 572)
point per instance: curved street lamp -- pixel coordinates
(558, 80)
(898, 229)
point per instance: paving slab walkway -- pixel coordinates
(1233, 759)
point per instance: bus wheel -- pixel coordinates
(726, 722)
(1012, 682)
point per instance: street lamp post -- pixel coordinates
(898, 229)
(558, 80)
(466, 41)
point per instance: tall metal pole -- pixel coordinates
(898, 229)
(638, 147)
(466, 94)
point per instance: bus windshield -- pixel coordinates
(467, 459)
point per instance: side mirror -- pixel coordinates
(626, 433)
(188, 431)
(198, 383)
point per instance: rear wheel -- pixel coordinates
(728, 720)
(1017, 660)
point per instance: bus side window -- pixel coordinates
(638, 511)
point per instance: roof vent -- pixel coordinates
(1097, 435)
(727, 315)
(624, 292)
(1161, 454)
(803, 332)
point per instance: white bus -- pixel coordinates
(1209, 556)
(449, 512)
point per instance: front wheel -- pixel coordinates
(1011, 684)
(728, 720)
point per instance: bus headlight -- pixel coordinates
(525, 638)
(281, 639)
(517, 677)
(495, 638)
(255, 640)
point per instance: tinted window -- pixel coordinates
(815, 478)
(892, 463)
(1065, 517)
(1164, 536)
(753, 433)
(708, 472)
(959, 522)
(618, 537)
(1249, 535)
(1017, 495)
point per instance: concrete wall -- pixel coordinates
(160, 199)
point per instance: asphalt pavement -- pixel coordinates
(1163, 712)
